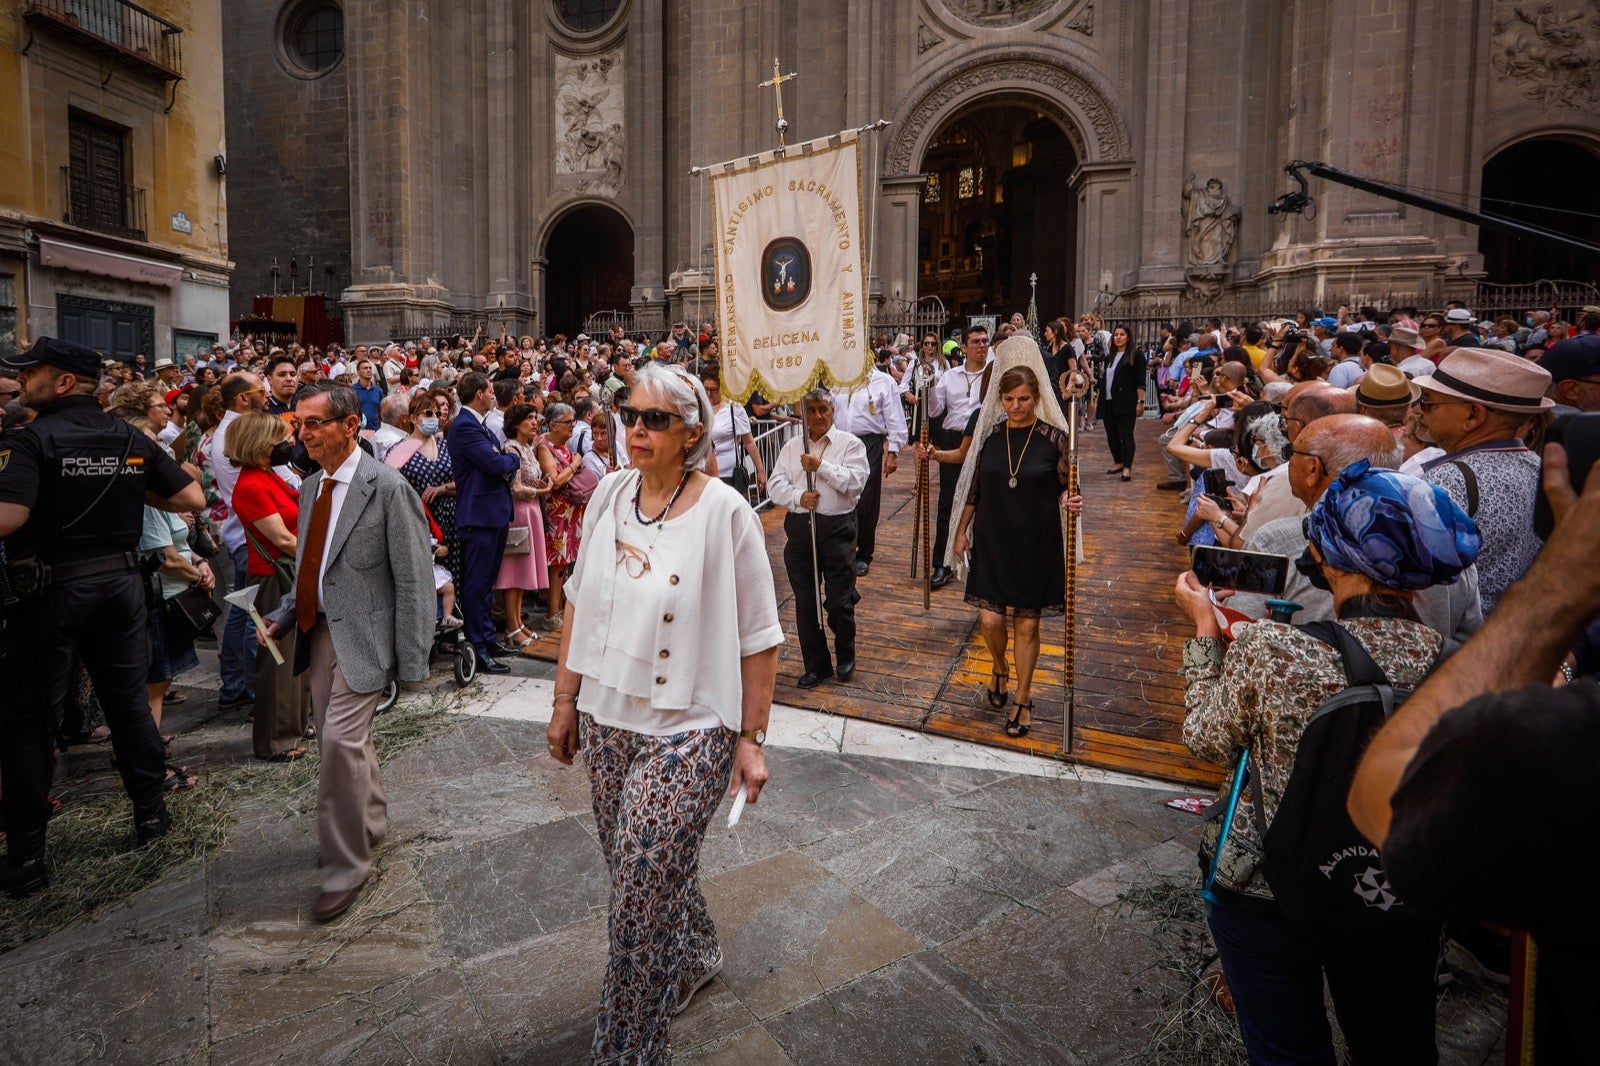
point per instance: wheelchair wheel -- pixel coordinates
(466, 663)
(391, 696)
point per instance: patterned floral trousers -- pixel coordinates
(653, 800)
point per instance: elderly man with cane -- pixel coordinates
(818, 477)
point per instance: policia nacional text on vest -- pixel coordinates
(73, 487)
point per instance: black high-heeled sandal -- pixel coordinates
(997, 695)
(1015, 726)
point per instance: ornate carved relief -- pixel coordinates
(1551, 48)
(997, 12)
(1083, 21)
(926, 38)
(1043, 84)
(590, 143)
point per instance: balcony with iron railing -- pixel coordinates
(114, 209)
(126, 32)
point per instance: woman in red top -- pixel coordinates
(269, 510)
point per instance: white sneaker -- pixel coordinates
(688, 986)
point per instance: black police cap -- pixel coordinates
(64, 355)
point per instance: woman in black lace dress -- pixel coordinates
(1011, 524)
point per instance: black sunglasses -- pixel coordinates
(655, 419)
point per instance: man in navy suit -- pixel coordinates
(483, 513)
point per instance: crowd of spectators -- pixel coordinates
(1393, 465)
(1391, 459)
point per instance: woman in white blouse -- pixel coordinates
(730, 432)
(664, 682)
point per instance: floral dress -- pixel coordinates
(423, 474)
(563, 518)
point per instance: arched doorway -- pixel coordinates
(588, 267)
(1550, 183)
(996, 210)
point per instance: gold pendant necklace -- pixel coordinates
(1018, 467)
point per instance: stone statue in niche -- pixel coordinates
(985, 12)
(1210, 224)
(1552, 49)
(589, 138)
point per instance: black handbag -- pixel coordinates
(201, 541)
(193, 610)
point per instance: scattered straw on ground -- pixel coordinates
(93, 862)
(1190, 1030)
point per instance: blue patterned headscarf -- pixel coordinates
(1400, 531)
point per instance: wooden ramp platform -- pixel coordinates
(926, 670)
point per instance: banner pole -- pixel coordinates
(1074, 385)
(924, 488)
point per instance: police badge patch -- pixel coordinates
(786, 273)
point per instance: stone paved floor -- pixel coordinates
(892, 899)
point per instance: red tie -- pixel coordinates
(310, 575)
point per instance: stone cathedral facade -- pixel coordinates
(529, 161)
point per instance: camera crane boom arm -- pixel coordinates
(1297, 202)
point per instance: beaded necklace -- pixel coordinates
(659, 521)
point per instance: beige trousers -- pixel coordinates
(352, 815)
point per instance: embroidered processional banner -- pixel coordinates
(791, 270)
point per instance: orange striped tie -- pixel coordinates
(310, 575)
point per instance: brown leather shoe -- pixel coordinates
(330, 905)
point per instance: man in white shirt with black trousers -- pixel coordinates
(955, 399)
(822, 473)
(872, 412)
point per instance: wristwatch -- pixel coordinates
(759, 736)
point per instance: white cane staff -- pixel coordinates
(1074, 384)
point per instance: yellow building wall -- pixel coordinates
(172, 151)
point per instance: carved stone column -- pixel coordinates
(899, 207)
(1105, 194)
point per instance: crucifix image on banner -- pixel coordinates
(791, 270)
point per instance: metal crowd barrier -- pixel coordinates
(770, 435)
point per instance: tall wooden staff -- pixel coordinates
(1074, 383)
(922, 531)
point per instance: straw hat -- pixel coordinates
(1493, 378)
(1407, 336)
(1385, 386)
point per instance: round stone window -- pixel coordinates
(583, 16)
(313, 37)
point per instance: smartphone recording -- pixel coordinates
(1242, 571)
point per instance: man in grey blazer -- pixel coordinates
(364, 604)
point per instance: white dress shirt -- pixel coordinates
(341, 479)
(840, 478)
(958, 393)
(225, 475)
(872, 407)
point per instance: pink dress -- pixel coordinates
(530, 571)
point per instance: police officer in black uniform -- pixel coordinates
(73, 486)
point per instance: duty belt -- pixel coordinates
(31, 576)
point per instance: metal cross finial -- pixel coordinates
(776, 84)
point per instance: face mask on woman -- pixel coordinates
(429, 427)
(281, 453)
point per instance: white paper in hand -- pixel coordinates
(245, 600)
(738, 805)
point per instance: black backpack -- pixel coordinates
(1319, 866)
